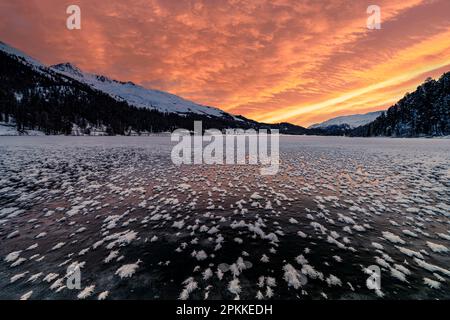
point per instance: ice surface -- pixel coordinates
(138, 226)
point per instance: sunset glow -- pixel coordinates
(270, 60)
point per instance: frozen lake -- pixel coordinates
(139, 227)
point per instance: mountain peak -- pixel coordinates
(11, 51)
(69, 68)
(352, 121)
(136, 95)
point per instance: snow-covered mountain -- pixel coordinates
(352, 121)
(424, 112)
(20, 56)
(136, 95)
(62, 99)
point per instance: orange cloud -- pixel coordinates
(271, 60)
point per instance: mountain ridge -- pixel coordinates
(62, 99)
(136, 95)
(423, 112)
(352, 120)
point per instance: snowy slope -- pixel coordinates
(19, 55)
(122, 91)
(136, 95)
(352, 121)
(8, 129)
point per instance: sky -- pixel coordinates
(300, 61)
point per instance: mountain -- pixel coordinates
(122, 91)
(424, 112)
(136, 95)
(62, 99)
(349, 122)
